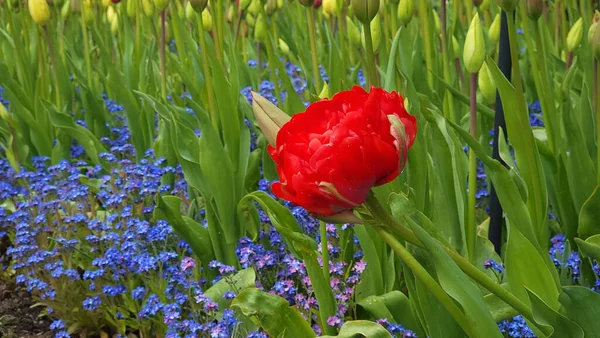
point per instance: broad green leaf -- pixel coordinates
(582, 306)
(394, 306)
(372, 282)
(590, 247)
(272, 313)
(361, 328)
(589, 216)
(242, 281)
(545, 315)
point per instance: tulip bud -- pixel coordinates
(198, 5)
(279, 4)
(365, 10)
(114, 25)
(330, 7)
(3, 113)
(260, 29)
(243, 4)
(229, 14)
(317, 3)
(494, 30)
(270, 119)
(406, 11)
(353, 32)
(270, 7)
(437, 23)
(39, 10)
(254, 7)
(534, 8)
(306, 3)
(207, 22)
(508, 5)
(131, 8)
(596, 41)
(250, 20)
(179, 9)
(110, 14)
(161, 5)
(477, 3)
(485, 5)
(65, 10)
(106, 3)
(575, 35)
(593, 26)
(190, 14)
(455, 47)
(324, 92)
(283, 47)
(375, 35)
(474, 49)
(148, 6)
(486, 84)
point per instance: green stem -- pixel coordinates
(597, 110)
(217, 6)
(207, 75)
(313, 48)
(373, 78)
(431, 284)
(53, 64)
(272, 59)
(426, 29)
(325, 251)
(163, 75)
(471, 226)
(446, 52)
(86, 50)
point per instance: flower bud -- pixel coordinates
(406, 11)
(330, 7)
(87, 11)
(575, 35)
(477, 3)
(250, 20)
(254, 7)
(279, 4)
(190, 14)
(270, 119)
(317, 3)
(486, 84)
(306, 3)
(365, 10)
(260, 28)
(508, 5)
(455, 47)
(244, 4)
(593, 26)
(353, 32)
(207, 22)
(437, 23)
(180, 10)
(283, 47)
(3, 113)
(161, 5)
(106, 3)
(65, 10)
(485, 5)
(39, 10)
(375, 35)
(114, 25)
(199, 5)
(324, 92)
(148, 6)
(270, 7)
(131, 8)
(596, 42)
(110, 13)
(494, 30)
(474, 49)
(534, 8)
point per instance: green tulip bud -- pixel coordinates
(437, 23)
(250, 20)
(244, 4)
(494, 30)
(283, 47)
(110, 13)
(269, 117)
(534, 8)
(270, 7)
(353, 32)
(190, 14)
(106, 3)
(593, 26)
(161, 5)
(508, 5)
(485, 5)
(198, 5)
(39, 11)
(280, 4)
(66, 9)
(207, 22)
(324, 92)
(260, 29)
(148, 6)
(365, 10)
(254, 7)
(131, 8)
(596, 42)
(575, 35)
(180, 10)
(455, 47)
(376, 34)
(474, 49)
(406, 11)
(114, 25)
(87, 12)
(486, 84)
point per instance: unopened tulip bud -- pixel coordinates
(474, 49)
(39, 10)
(148, 6)
(190, 14)
(330, 7)
(87, 12)
(260, 29)
(270, 7)
(229, 14)
(486, 84)
(198, 5)
(131, 8)
(114, 25)
(437, 23)
(485, 5)
(406, 11)
(3, 113)
(365, 10)
(250, 20)
(375, 35)
(207, 22)
(494, 30)
(324, 92)
(283, 47)
(244, 4)
(270, 119)
(161, 5)
(279, 4)
(455, 47)
(353, 32)
(593, 26)
(110, 13)
(596, 42)
(508, 5)
(254, 7)
(65, 10)
(317, 3)
(575, 35)
(306, 3)
(106, 3)
(534, 8)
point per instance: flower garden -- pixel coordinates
(299, 168)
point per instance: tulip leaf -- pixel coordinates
(372, 282)
(546, 316)
(272, 313)
(242, 280)
(582, 306)
(361, 328)
(394, 306)
(589, 216)
(590, 247)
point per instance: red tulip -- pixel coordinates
(330, 156)
(115, 1)
(317, 3)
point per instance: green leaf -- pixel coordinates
(582, 306)
(394, 306)
(590, 247)
(242, 281)
(272, 313)
(372, 282)
(361, 328)
(543, 314)
(589, 216)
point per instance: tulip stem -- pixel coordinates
(86, 49)
(471, 226)
(384, 220)
(313, 48)
(373, 78)
(424, 17)
(163, 75)
(446, 61)
(597, 110)
(53, 64)
(207, 75)
(422, 274)
(325, 251)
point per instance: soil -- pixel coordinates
(17, 318)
